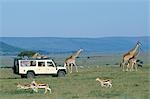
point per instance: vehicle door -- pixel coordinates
(41, 67)
(51, 68)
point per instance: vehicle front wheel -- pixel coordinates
(30, 75)
(61, 74)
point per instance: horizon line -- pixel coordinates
(68, 37)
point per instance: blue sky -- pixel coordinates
(73, 18)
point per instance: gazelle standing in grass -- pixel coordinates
(27, 86)
(41, 86)
(105, 83)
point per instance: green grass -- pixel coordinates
(81, 85)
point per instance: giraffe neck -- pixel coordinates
(134, 49)
(136, 54)
(76, 54)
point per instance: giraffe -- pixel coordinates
(70, 61)
(129, 55)
(133, 61)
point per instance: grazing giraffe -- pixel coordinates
(70, 61)
(133, 62)
(129, 55)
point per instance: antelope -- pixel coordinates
(26, 86)
(105, 83)
(41, 86)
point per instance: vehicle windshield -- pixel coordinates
(54, 63)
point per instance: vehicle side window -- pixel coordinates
(32, 63)
(25, 63)
(50, 64)
(41, 64)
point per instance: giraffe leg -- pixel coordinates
(135, 67)
(71, 68)
(65, 65)
(76, 67)
(132, 67)
(123, 64)
(128, 65)
(68, 68)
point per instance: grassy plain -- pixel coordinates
(82, 85)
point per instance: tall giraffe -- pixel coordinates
(70, 61)
(129, 55)
(133, 61)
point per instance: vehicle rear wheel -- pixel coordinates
(61, 74)
(30, 75)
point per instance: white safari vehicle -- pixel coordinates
(32, 67)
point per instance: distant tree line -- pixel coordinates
(26, 53)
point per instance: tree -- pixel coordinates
(26, 53)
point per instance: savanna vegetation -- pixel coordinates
(81, 85)
(26, 53)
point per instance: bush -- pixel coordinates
(26, 53)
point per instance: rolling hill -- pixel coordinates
(9, 49)
(57, 45)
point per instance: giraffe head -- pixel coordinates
(139, 43)
(80, 50)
